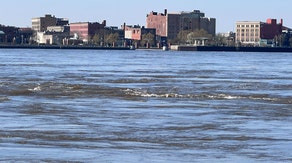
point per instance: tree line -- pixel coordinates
(110, 37)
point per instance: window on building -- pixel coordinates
(242, 25)
(252, 26)
(247, 26)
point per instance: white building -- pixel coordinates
(248, 32)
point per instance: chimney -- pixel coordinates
(124, 26)
(165, 12)
(281, 22)
(104, 22)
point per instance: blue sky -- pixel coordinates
(116, 12)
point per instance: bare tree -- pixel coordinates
(148, 38)
(111, 38)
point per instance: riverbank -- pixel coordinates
(61, 47)
(173, 47)
(231, 49)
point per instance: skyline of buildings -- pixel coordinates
(164, 26)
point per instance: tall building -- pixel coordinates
(86, 30)
(40, 24)
(256, 32)
(170, 24)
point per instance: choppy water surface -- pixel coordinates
(145, 106)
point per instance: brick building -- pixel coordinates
(86, 30)
(170, 24)
(258, 33)
(40, 24)
(137, 32)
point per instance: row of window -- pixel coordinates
(247, 30)
(248, 34)
(248, 25)
(249, 40)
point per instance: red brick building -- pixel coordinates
(137, 32)
(270, 29)
(86, 30)
(170, 24)
(158, 21)
(132, 32)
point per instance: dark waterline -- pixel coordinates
(145, 106)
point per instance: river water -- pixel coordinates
(145, 106)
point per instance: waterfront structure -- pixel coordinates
(54, 35)
(140, 34)
(170, 24)
(49, 29)
(25, 35)
(132, 32)
(257, 33)
(9, 34)
(40, 24)
(85, 31)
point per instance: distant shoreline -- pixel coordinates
(231, 49)
(173, 48)
(62, 47)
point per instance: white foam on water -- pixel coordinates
(36, 89)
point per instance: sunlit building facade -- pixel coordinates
(256, 33)
(40, 24)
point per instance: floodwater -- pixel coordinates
(145, 106)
